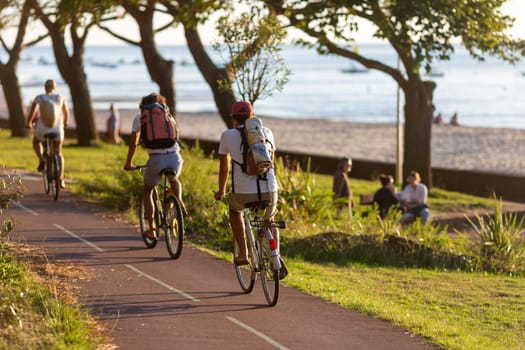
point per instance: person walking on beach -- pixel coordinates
(454, 121)
(166, 155)
(245, 188)
(414, 199)
(341, 188)
(49, 113)
(113, 125)
(385, 197)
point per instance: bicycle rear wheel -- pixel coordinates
(174, 228)
(150, 243)
(46, 175)
(55, 184)
(269, 276)
(245, 273)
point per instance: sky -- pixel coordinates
(516, 8)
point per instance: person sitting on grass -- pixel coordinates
(414, 199)
(385, 197)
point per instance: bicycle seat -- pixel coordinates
(51, 135)
(167, 172)
(258, 204)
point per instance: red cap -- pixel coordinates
(242, 108)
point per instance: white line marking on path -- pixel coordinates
(79, 238)
(165, 285)
(25, 208)
(257, 333)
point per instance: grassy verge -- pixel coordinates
(36, 310)
(452, 308)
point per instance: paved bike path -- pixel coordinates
(150, 301)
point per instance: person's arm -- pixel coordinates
(134, 139)
(32, 114)
(65, 113)
(224, 169)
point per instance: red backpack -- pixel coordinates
(158, 128)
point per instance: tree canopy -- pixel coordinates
(420, 32)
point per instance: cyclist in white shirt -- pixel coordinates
(40, 129)
(245, 188)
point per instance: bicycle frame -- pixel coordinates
(262, 250)
(167, 216)
(52, 168)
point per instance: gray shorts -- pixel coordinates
(159, 161)
(237, 201)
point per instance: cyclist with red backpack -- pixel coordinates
(156, 129)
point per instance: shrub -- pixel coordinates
(500, 245)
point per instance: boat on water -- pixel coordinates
(354, 70)
(435, 74)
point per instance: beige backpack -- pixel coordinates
(49, 106)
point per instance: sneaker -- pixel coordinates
(283, 271)
(40, 165)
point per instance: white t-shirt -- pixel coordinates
(135, 127)
(243, 183)
(412, 195)
(40, 128)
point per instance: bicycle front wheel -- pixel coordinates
(174, 227)
(150, 243)
(269, 275)
(245, 273)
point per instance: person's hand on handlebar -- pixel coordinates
(218, 195)
(129, 166)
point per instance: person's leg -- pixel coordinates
(57, 148)
(425, 215)
(37, 147)
(407, 218)
(148, 210)
(237, 225)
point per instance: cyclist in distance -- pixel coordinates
(159, 158)
(245, 188)
(49, 120)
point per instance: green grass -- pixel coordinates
(455, 309)
(33, 315)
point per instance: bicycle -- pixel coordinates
(167, 215)
(262, 252)
(52, 167)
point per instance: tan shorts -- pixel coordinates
(237, 201)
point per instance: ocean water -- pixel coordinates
(486, 94)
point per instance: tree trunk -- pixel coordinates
(72, 70)
(160, 70)
(14, 101)
(82, 108)
(212, 74)
(418, 128)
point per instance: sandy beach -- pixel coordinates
(466, 148)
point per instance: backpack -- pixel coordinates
(158, 129)
(256, 148)
(49, 106)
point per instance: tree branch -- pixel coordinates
(118, 36)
